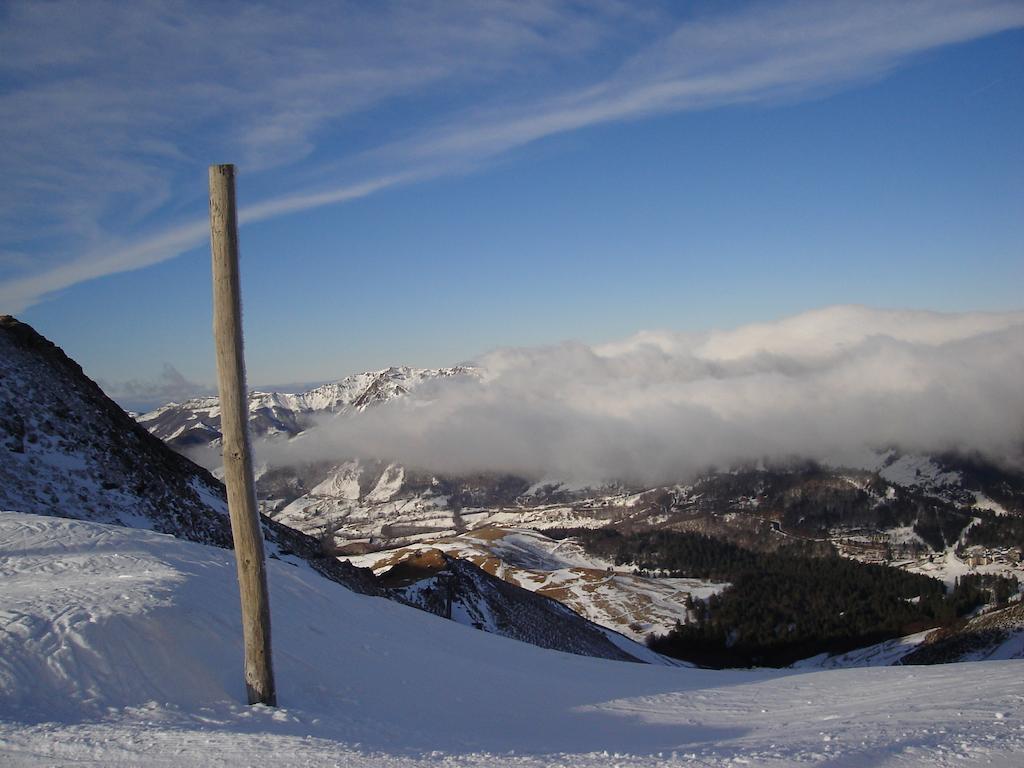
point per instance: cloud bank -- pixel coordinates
(661, 406)
(116, 109)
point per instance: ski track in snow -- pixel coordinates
(120, 648)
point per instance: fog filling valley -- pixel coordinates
(659, 407)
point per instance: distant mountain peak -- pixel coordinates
(197, 421)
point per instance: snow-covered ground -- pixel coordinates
(879, 655)
(905, 469)
(120, 647)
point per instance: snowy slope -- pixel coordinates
(120, 647)
(995, 633)
(884, 654)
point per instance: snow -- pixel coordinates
(904, 534)
(342, 483)
(388, 486)
(279, 412)
(901, 469)
(207, 496)
(1011, 648)
(981, 501)
(151, 415)
(945, 566)
(918, 470)
(120, 648)
(882, 654)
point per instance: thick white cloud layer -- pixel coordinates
(658, 407)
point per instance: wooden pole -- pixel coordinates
(234, 410)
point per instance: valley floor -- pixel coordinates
(119, 648)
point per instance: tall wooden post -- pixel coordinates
(234, 411)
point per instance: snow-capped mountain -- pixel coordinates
(957, 518)
(360, 505)
(197, 421)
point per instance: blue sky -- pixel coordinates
(422, 182)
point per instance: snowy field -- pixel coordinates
(119, 648)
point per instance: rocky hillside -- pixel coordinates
(69, 450)
(591, 586)
(457, 589)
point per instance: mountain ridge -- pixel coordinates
(940, 515)
(69, 451)
(196, 421)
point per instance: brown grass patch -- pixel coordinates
(488, 533)
(416, 567)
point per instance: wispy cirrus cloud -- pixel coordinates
(113, 111)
